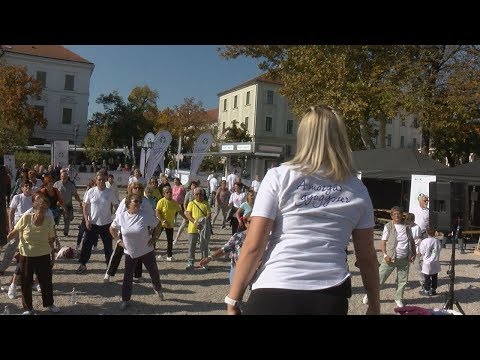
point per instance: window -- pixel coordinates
(415, 123)
(67, 116)
(246, 122)
(42, 77)
(403, 122)
(402, 141)
(414, 143)
(389, 121)
(224, 104)
(375, 140)
(289, 126)
(235, 102)
(69, 82)
(269, 97)
(247, 100)
(389, 140)
(268, 123)
(223, 127)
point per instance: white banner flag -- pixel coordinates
(202, 145)
(60, 153)
(149, 137)
(160, 145)
(9, 162)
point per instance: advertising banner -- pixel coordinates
(160, 145)
(60, 153)
(202, 145)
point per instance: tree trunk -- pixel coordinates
(365, 134)
(382, 130)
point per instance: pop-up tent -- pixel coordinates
(468, 173)
(395, 164)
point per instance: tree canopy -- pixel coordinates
(439, 84)
(17, 116)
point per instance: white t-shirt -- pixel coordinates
(421, 218)
(20, 203)
(236, 199)
(231, 179)
(100, 204)
(134, 228)
(313, 221)
(402, 240)
(213, 182)
(256, 185)
(430, 249)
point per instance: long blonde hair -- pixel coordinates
(322, 144)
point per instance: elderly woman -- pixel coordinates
(136, 225)
(116, 257)
(36, 254)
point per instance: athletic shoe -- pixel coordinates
(12, 291)
(365, 300)
(160, 295)
(399, 303)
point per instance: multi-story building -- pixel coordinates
(401, 132)
(267, 117)
(65, 77)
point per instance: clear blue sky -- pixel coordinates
(175, 71)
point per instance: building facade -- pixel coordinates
(401, 132)
(65, 77)
(267, 117)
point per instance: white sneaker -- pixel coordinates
(399, 303)
(53, 309)
(28, 312)
(39, 289)
(159, 257)
(170, 259)
(12, 291)
(106, 278)
(365, 300)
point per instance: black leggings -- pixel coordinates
(331, 301)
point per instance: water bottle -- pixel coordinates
(73, 297)
(7, 310)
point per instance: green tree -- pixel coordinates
(237, 134)
(187, 120)
(437, 83)
(133, 118)
(17, 116)
(444, 92)
(362, 82)
(98, 140)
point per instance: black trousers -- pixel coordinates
(331, 301)
(115, 262)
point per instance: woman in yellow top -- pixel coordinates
(166, 210)
(36, 254)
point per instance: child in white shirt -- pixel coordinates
(430, 249)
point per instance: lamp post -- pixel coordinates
(75, 133)
(145, 145)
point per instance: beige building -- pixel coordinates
(65, 77)
(268, 119)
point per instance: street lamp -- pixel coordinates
(145, 145)
(75, 133)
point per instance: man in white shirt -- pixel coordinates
(97, 205)
(256, 183)
(213, 185)
(422, 214)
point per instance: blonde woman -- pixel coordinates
(301, 223)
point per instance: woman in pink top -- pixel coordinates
(178, 192)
